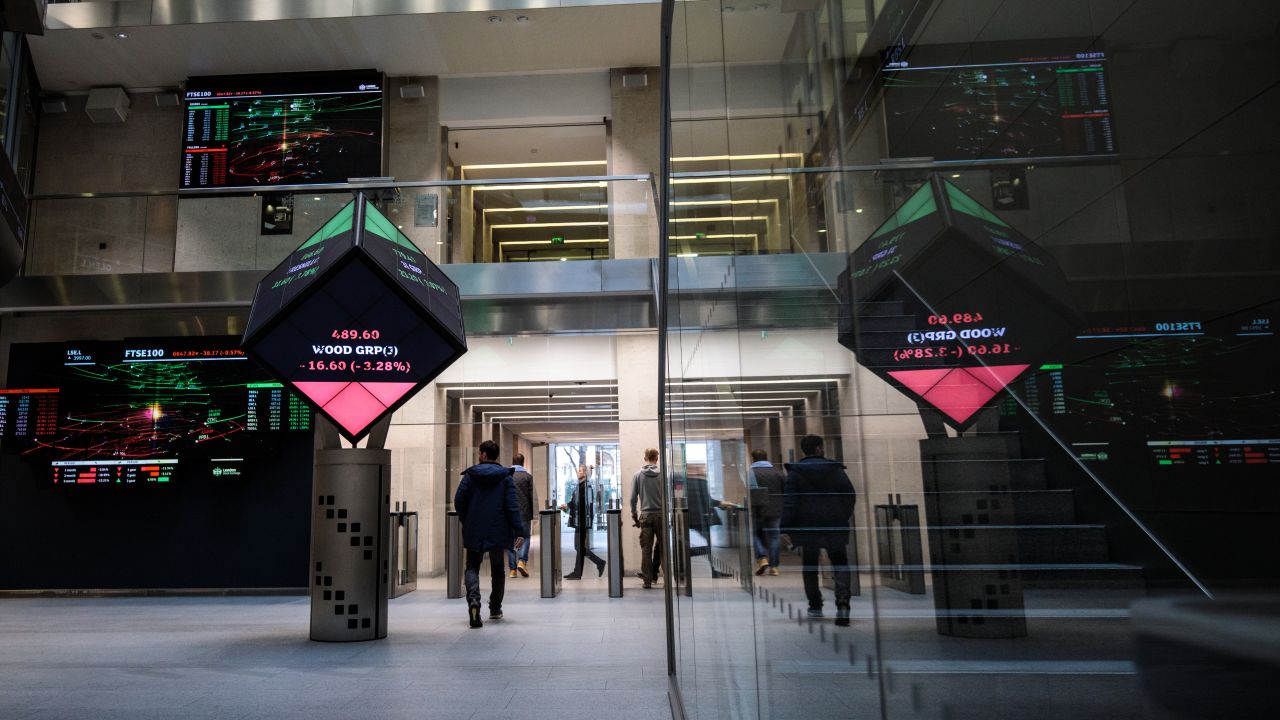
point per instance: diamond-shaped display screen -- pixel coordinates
(949, 304)
(374, 323)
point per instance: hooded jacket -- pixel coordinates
(817, 502)
(646, 487)
(486, 505)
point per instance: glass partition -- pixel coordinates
(1008, 266)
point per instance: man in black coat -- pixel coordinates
(581, 516)
(491, 524)
(818, 502)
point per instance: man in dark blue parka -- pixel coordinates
(817, 504)
(491, 524)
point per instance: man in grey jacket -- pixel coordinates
(646, 489)
(527, 497)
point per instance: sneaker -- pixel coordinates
(573, 576)
(495, 614)
(774, 571)
(473, 612)
(815, 612)
(523, 570)
(513, 574)
(842, 614)
(761, 566)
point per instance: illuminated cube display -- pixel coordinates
(949, 304)
(356, 320)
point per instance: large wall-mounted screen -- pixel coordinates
(256, 131)
(999, 101)
(144, 411)
(162, 462)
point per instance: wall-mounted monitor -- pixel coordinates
(982, 101)
(144, 411)
(256, 131)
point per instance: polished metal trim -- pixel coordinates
(190, 12)
(98, 14)
(134, 13)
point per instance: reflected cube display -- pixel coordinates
(949, 304)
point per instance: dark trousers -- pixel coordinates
(650, 545)
(839, 557)
(582, 541)
(498, 577)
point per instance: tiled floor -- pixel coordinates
(581, 655)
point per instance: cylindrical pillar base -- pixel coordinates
(350, 558)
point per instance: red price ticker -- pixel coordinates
(955, 319)
(355, 334)
(952, 351)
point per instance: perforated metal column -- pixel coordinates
(350, 557)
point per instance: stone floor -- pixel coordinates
(580, 655)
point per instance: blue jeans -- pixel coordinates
(768, 531)
(522, 554)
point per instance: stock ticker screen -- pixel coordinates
(140, 412)
(999, 100)
(281, 129)
(1174, 392)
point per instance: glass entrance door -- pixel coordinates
(601, 463)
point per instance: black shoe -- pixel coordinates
(842, 614)
(473, 612)
(600, 568)
(573, 576)
(495, 614)
(641, 576)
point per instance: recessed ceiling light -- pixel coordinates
(522, 18)
(97, 36)
(122, 35)
(495, 18)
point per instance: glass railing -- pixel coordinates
(461, 221)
